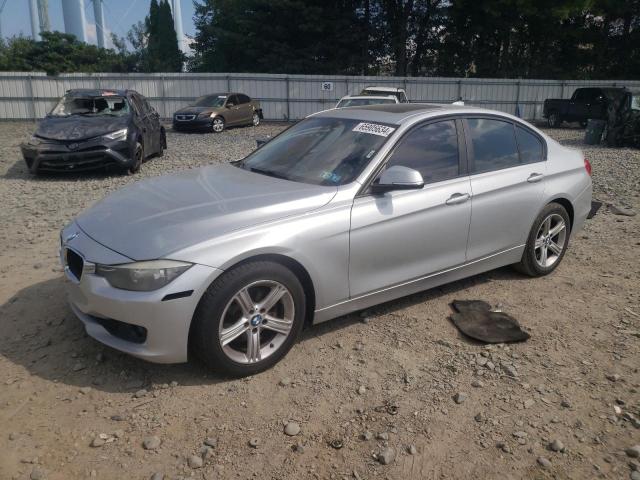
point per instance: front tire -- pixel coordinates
(217, 126)
(249, 318)
(138, 158)
(255, 120)
(547, 242)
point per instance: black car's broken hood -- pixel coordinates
(79, 127)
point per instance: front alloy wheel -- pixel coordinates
(256, 321)
(218, 124)
(249, 318)
(256, 119)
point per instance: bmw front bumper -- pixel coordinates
(150, 325)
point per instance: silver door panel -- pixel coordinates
(404, 235)
(504, 205)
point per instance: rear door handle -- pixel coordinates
(458, 198)
(535, 177)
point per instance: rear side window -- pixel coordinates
(494, 144)
(243, 98)
(431, 149)
(530, 146)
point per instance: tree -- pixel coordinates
(161, 53)
(280, 36)
(58, 53)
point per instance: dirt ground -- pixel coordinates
(73, 409)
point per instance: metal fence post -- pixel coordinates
(228, 83)
(32, 97)
(164, 97)
(517, 111)
(459, 97)
(288, 98)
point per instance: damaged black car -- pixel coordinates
(622, 127)
(95, 129)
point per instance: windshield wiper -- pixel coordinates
(269, 173)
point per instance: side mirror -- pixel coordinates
(398, 178)
(229, 105)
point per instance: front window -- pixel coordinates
(635, 101)
(360, 102)
(211, 101)
(107, 105)
(320, 151)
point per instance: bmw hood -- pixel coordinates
(79, 127)
(152, 218)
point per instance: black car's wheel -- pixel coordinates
(218, 125)
(138, 157)
(547, 242)
(249, 318)
(554, 120)
(163, 142)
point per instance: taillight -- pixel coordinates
(587, 166)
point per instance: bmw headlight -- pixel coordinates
(117, 135)
(142, 276)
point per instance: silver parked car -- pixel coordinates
(346, 209)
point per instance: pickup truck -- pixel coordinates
(585, 103)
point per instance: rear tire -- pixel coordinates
(554, 120)
(236, 330)
(547, 242)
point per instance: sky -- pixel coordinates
(119, 15)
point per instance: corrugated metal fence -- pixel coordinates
(285, 97)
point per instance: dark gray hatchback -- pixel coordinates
(91, 129)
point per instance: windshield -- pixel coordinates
(211, 101)
(95, 106)
(320, 151)
(359, 102)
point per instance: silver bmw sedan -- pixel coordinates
(344, 210)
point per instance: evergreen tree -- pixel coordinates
(162, 53)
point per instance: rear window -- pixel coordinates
(494, 144)
(530, 146)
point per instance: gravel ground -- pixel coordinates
(396, 393)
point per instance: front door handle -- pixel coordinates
(458, 198)
(535, 177)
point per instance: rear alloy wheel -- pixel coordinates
(138, 157)
(547, 242)
(218, 125)
(249, 318)
(554, 120)
(255, 121)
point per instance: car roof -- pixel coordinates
(99, 92)
(399, 113)
(368, 97)
(384, 89)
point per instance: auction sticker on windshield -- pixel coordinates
(374, 129)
